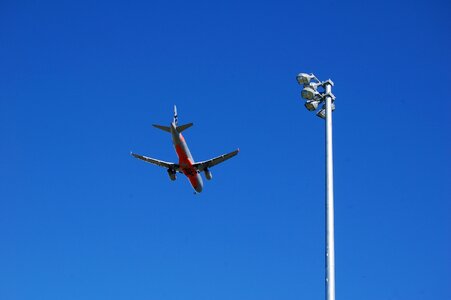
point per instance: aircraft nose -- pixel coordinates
(198, 188)
(199, 184)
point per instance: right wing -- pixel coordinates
(157, 162)
(200, 166)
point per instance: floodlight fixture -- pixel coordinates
(312, 105)
(309, 92)
(322, 113)
(304, 78)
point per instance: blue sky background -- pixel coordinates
(81, 82)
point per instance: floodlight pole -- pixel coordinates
(330, 243)
(315, 98)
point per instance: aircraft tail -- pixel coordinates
(164, 128)
(178, 128)
(183, 127)
(175, 121)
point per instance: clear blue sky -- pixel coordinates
(81, 82)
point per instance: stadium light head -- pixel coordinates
(312, 105)
(309, 93)
(322, 113)
(304, 78)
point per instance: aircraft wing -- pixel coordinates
(157, 162)
(200, 166)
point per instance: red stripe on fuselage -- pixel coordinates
(186, 164)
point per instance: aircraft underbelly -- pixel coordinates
(196, 182)
(186, 166)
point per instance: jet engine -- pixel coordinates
(171, 174)
(208, 174)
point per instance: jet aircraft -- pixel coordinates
(186, 164)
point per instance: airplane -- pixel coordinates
(186, 164)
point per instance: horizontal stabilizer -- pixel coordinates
(164, 128)
(183, 127)
(168, 129)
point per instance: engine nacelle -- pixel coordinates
(208, 174)
(171, 174)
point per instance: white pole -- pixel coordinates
(330, 247)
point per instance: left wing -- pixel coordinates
(157, 162)
(200, 166)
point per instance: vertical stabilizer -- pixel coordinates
(175, 116)
(174, 124)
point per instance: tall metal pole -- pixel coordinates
(314, 99)
(330, 245)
